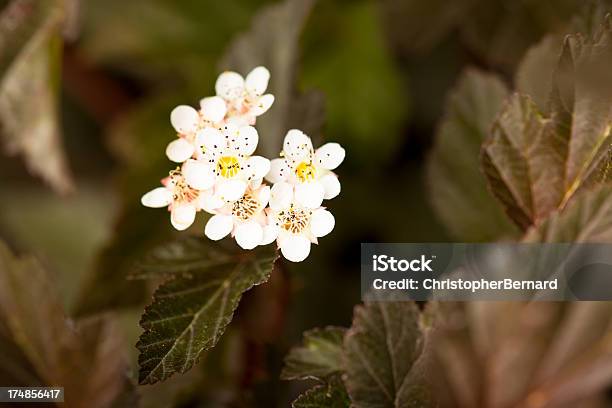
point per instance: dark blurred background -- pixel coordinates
(384, 67)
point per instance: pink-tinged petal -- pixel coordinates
(184, 119)
(263, 195)
(310, 194)
(295, 248)
(182, 215)
(322, 223)
(297, 145)
(281, 196)
(329, 156)
(243, 140)
(279, 170)
(331, 184)
(229, 85)
(199, 174)
(213, 108)
(179, 150)
(231, 190)
(248, 235)
(219, 226)
(263, 104)
(157, 198)
(257, 80)
(256, 167)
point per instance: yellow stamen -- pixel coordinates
(228, 166)
(305, 172)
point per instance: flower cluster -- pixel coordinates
(218, 173)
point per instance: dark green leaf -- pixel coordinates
(319, 357)
(30, 55)
(384, 358)
(331, 395)
(190, 311)
(457, 188)
(273, 41)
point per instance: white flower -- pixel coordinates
(245, 97)
(244, 219)
(224, 163)
(309, 171)
(182, 200)
(293, 226)
(187, 122)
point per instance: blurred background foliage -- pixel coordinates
(85, 121)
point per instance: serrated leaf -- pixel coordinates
(319, 357)
(85, 357)
(330, 395)
(536, 162)
(30, 56)
(457, 188)
(384, 357)
(524, 161)
(587, 219)
(273, 41)
(190, 311)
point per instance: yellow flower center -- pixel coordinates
(305, 172)
(246, 207)
(294, 220)
(228, 166)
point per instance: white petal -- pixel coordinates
(310, 194)
(219, 226)
(257, 80)
(257, 167)
(231, 190)
(270, 233)
(262, 105)
(184, 119)
(330, 155)
(182, 215)
(157, 198)
(229, 85)
(244, 140)
(263, 196)
(281, 196)
(297, 145)
(211, 140)
(199, 174)
(322, 223)
(331, 184)
(294, 248)
(209, 202)
(213, 108)
(249, 234)
(278, 171)
(179, 150)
